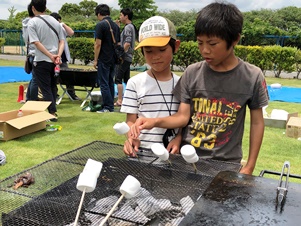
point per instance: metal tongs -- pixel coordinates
(282, 187)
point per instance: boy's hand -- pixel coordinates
(174, 145)
(140, 124)
(131, 146)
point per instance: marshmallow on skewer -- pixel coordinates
(93, 166)
(87, 181)
(121, 128)
(88, 178)
(130, 187)
(189, 154)
(193, 159)
(160, 151)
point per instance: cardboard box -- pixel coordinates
(293, 127)
(279, 123)
(33, 119)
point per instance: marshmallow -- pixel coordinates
(121, 128)
(93, 167)
(86, 181)
(189, 154)
(193, 159)
(160, 151)
(130, 187)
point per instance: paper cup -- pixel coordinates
(130, 187)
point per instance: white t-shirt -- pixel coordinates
(144, 98)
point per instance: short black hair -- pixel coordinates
(29, 10)
(127, 12)
(56, 16)
(39, 5)
(223, 20)
(103, 10)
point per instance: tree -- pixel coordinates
(88, 7)
(178, 17)
(142, 9)
(70, 10)
(11, 11)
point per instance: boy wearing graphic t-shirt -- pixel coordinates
(215, 92)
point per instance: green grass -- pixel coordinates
(80, 128)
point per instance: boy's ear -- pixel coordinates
(177, 45)
(237, 40)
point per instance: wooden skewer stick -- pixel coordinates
(111, 211)
(194, 166)
(79, 207)
(169, 162)
(136, 155)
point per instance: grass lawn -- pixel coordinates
(80, 128)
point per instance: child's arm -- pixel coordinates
(177, 120)
(256, 135)
(131, 144)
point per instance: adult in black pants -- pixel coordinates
(68, 32)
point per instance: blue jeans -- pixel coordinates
(105, 73)
(32, 89)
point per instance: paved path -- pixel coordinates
(20, 57)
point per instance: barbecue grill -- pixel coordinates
(77, 77)
(168, 191)
(237, 199)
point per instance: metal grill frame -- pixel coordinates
(58, 195)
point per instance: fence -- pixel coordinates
(14, 43)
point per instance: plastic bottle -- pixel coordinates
(57, 70)
(20, 113)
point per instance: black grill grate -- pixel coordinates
(54, 199)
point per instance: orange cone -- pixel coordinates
(21, 94)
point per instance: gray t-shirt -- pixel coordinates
(128, 35)
(38, 30)
(31, 47)
(218, 103)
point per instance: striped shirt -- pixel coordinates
(144, 98)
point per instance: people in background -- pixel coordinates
(149, 94)
(127, 41)
(32, 89)
(68, 32)
(104, 59)
(215, 93)
(49, 44)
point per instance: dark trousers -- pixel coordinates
(123, 72)
(32, 89)
(44, 72)
(105, 74)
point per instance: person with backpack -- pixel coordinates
(127, 41)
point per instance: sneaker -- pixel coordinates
(104, 110)
(74, 97)
(53, 119)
